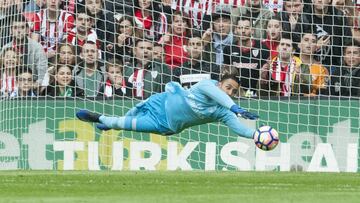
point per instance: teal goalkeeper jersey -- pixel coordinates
(203, 103)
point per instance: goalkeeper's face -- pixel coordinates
(229, 86)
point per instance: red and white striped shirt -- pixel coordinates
(148, 25)
(52, 32)
(8, 84)
(197, 9)
(75, 41)
(92, 37)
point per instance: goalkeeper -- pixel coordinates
(175, 109)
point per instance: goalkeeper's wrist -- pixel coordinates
(234, 108)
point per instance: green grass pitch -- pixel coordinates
(223, 187)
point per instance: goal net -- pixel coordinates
(297, 62)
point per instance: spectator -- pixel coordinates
(198, 11)
(66, 54)
(31, 52)
(345, 81)
(89, 74)
(145, 75)
(316, 76)
(82, 32)
(63, 84)
(7, 11)
(282, 77)
(151, 22)
(293, 20)
(331, 29)
(196, 69)
(273, 35)
(219, 36)
(115, 84)
(34, 6)
(51, 26)
(247, 55)
(9, 63)
(175, 41)
(103, 23)
(259, 17)
(25, 84)
(122, 50)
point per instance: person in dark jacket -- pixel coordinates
(63, 84)
(345, 80)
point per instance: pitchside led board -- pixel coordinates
(316, 135)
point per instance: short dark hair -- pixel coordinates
(243, 18)
(23, 69)
(113, 62)
(142, 40)
(229, 72)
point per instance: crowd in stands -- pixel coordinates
(132, 48)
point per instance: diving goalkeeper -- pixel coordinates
(175, 109)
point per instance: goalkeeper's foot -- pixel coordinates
(102, 126)
(88, 116)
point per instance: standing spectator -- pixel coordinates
(259, 16)
(282, 77)
(199, 11)
(175, 41)
(331, 29)
(273, 35)
(196, 69)
(151, 22)
(248, 55)
(51, 26)
(63, 84)
(122, 50)
(7, 11)
(25, 84)
(115, 84)
(145, 75)
(345, 80)
(89, 74)
(218, 37)
(316, 76)
(30, 51)
(9, 62)
(103, 23)
(82, 32)
(293, 20)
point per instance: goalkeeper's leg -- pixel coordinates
(138, 123)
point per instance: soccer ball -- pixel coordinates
(266, 138)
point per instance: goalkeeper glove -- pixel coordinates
(243, 113)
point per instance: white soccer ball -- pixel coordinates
(266, 138)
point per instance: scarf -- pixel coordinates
(272, 46)
(67, 93)
(109, 89)
(284, 75)
(219, 45)
(147, 21)
(8, 84)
